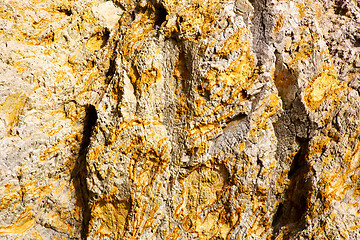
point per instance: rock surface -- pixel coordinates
(185, 119)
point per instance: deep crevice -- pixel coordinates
(278, 214)
(238, 117)
(79, 172)
(160, 14)
(204, 92)
(105, 36)
(65, 9)
(357, 41)
(341, 8)
(292, 210)
(112, 64)
(120, 4)
(299, 161)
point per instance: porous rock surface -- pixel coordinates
(186, 119)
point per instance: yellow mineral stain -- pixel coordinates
(319, 144)
(137, 31)
(57, 221)
(202, 129)
(272, 106)
(88, 17)
(93, 75)
(303, 48)
(19, 66)
(94, 154)
(12, 107)
(33, 39)
(180, 72)
(182, 108)
(326, 160)
(197, 20)
(23, 223)
(60, 188)
(112, 214)
(49, 151)
(148, 78)
(96, 41)
(324, 86)
(302, 10)
(355, 227)
(234, 42)
(227, 115)
(241, 146)
(13, 196)
(201, 133)
(238, 72)
(61, 76)
(201, 189)
(283, 80)
(36, 235)
(279, 24)
(54, 131)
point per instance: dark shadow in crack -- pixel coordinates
(291, 212)
(160, 14)
(79, 172)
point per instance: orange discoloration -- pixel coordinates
(96, 41)
(112, 214)
(279, 24)
(146, 79)
(198, 19)
(272, 107)
(54, 131)
(322, 87)
(238, 73)
(12, 108)
(202, 188)
(49, 151)
(235, 42)
(137, 31)
(23, 223)
(302, 11)
(303, 48)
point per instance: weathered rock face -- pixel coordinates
(179, 119)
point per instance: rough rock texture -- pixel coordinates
(188, 119)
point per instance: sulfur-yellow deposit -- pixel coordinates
(179, 119)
